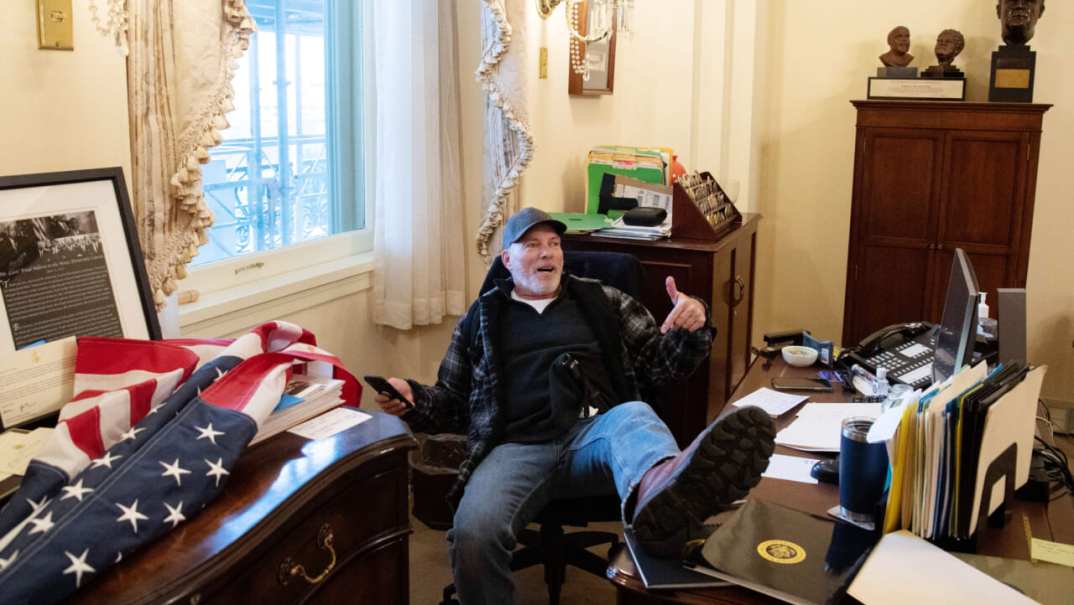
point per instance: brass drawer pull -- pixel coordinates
(289, 569)
(738, 290)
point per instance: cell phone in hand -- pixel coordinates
(382, 386)
(801, 384)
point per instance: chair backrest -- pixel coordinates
(616, 269)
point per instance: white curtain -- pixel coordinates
(413, 166)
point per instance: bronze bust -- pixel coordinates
(899, 43)
(948, 46)
(1018, 19)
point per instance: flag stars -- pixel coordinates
(78, 566)
(175, 515)
(220, 373)
(38, 506)
(75, 491)
(153, 410)
(105, 460)
(130, 513)
(4, 563)
(42, 525)
(216, 470)
(131, 434)
(174, 470)
(119, 557)
(207, 432)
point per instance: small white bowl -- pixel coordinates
(801, 357)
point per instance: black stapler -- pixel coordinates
(774, 341)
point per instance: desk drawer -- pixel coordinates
(329, 539)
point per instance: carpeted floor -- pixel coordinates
(430, 573)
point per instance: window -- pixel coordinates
(288, 170)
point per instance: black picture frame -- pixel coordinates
(74, 217)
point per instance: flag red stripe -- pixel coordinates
(234, 390)
(87, 394)
(141, 397)
(85, 431)
(98, 355)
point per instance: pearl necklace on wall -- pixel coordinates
(602, 18)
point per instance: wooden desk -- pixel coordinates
(285, 497)
(1052, 522)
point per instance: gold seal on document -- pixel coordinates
(781, 551)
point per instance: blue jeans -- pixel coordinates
(601, 455)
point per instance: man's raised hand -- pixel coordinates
(688, 313)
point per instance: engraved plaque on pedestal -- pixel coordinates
(1013, 74)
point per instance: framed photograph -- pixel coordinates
(70, 261)
(599, 57)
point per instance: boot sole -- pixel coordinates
(727, 464)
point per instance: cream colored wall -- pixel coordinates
(683, 79)
(819, 55)
(60, 110)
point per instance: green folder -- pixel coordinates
(579, 222)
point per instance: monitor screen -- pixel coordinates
(958, 327)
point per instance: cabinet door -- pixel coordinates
(741, 320)
(982, 209)
(897, 189)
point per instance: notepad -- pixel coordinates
(818, 426)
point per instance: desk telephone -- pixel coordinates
(905, 350)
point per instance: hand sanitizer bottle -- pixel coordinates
(986, 326)
(882, 386)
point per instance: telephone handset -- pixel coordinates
(904, 350)
(884, 338)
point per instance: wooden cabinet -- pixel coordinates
(721, 273)
(337, 507)
(930, 177)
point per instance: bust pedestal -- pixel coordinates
(1013, 74)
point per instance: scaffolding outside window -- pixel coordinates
(288, 170)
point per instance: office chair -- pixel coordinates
(550, 545)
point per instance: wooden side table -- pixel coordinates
(337, 507)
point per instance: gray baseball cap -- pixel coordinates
(521, 222)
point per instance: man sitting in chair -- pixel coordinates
(524, 370)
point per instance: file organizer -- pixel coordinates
(929, 494)
(1006, 447)
(689, 220)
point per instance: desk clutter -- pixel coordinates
(641, 193)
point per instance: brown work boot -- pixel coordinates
(676, 496)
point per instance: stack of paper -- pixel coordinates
(818, 427)
(303, 398)
(773, 402)
(619, 229)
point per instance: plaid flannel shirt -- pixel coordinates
(467, 395)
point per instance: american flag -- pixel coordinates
(149, 439)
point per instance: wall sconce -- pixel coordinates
(602, 18)
(55, 25)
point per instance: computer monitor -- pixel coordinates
(958, 327)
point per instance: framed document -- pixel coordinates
(70, 261)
